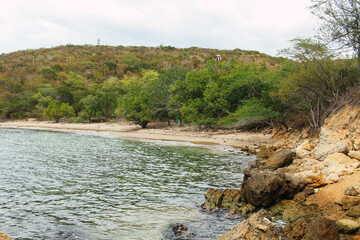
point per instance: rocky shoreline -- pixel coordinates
(310, 182)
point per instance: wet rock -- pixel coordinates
(280, 159)
(262, 188)
(314, 228)
(3, 236)
(354, 211)
(181, 230)
(213, 199)
(300, 210)
(228, 199)
(257, 226)
(347, 226)
(354, 154)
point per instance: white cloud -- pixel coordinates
(260, 25)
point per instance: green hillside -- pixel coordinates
(144, 84)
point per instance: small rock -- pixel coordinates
(354, 211)
(351, 191)
(354, 154)
(181, 230)
(309, 190)
(316, 228)
(350, 201)
(332, 178)
(338, 201)
(347, 225)
(300, 197)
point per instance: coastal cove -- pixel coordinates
(86, 185)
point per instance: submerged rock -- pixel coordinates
(316, 228)
(257, 226)
(181, 230)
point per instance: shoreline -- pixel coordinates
(155, 132)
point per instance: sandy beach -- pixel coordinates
(155, 132)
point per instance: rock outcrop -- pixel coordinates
(257, 226)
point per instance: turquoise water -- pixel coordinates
(56, 185)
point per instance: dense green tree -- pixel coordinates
(102, 100)
(56, 110)
(135, 104)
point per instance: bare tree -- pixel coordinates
(340, 23)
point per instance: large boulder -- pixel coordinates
(262, 188)
(315, 228)
(257, 226)
(280, 159)
(300, 210)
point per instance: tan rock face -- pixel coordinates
(354, 154)
(337, 158)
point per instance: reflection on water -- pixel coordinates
(73, 186)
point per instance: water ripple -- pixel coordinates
(70, 186)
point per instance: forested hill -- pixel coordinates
(144, 84)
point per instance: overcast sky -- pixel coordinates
(261, 25)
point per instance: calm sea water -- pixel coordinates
(56, 185)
